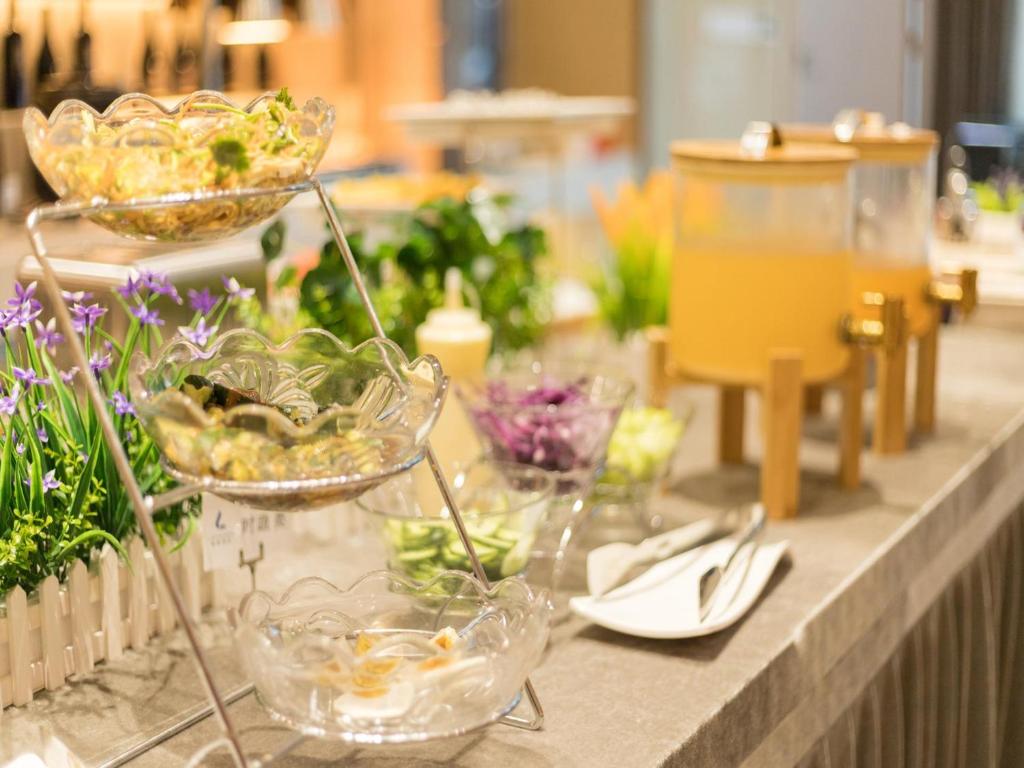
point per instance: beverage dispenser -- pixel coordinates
(893, 203)
(761, 293)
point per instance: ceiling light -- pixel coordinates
(321, 16)
(257, 22)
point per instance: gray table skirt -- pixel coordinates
(952, 696)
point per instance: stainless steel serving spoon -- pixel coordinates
(713, 577)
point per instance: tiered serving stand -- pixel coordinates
(144, 506)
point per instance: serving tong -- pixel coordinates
(614, 564)
(712, 578)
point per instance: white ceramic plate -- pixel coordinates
(663, 602)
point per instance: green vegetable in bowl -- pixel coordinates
(641, 445)
(423, 548)
(503, 506)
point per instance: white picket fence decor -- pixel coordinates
(62, 630)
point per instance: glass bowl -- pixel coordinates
(553, 420)
(386, 661)
(303, 424)
(641, 449)
(503, 506)
(641, 452)
(204, 147)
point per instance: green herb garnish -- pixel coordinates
(285, 98)
(230, 153)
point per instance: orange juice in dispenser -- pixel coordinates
(762, 259)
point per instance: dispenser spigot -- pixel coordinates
(888, 330)
(958, 288)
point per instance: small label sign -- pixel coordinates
(231, 529)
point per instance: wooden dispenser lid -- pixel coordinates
(867, 132)
(761, 157)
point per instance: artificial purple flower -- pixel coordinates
(41, 406)
(29, 376)
(121, 404)
(99, 362)
(22, 317)
(24, 307)
(20, 448)
(9, 404)
(86, 315)
(9, 319)
(199, 335)
(151, 279)
(160, 284)
(50, 481)
(201, 301)
(22, 295)
(68, 376)
(76, 297)
(146, 315)
(41, 434)
(235, 291)
(170, 292)
(130, 287)
(47, 335)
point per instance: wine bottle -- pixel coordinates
(227, 66)
(185, 56)
(150, 60)
(46, 65)
(15, 86)
(83, 47)
(263, 67)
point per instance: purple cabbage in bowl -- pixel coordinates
(557, 423)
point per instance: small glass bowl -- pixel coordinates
(641, 450)
(503, 506)
(386, 661)
(552, 420)
(140, 150)
(304, 424)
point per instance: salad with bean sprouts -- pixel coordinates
(137, 150)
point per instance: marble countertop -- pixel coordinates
(862, 566)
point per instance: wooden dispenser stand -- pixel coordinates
(958, 289)
(890, 431)
(783, 404)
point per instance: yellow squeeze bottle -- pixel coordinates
(457, 336)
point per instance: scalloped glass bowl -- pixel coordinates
(302, 424)
(368, 664)
(138, 149)
(553, 419)
(503, 506)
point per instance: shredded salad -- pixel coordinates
(205, 146)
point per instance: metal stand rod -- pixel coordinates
(124, 470)
(334, 223)
(173, 496)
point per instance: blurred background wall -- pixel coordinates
(695, 68)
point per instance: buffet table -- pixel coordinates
(891, 628)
